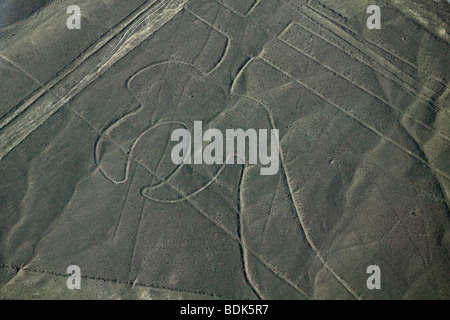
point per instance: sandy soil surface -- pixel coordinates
(86, 176)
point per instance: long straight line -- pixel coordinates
(16, 129)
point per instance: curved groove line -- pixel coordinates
(188, 198)
(85, 55)
(11, 137)
(318, 254)
(355, 118)
(217, 224)
(316, 251)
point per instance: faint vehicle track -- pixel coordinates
(103, 41)
(123, 40)
(24, 124)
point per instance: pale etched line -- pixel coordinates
(34, 95)
(158, 95)
(269, 211)
(238, 241)
(423, 19)
(122, 120)
(233, 237)
(123, 206)
(391, 75)
(425, 24)
(300, 216)
(25, 124)
(136, 24)
(78, 61)
(136, 240)
(193, 194)
(355, 118)
(153, 21)
(370, 243)
(388, 74)
(230, 8)
(354, 35)
(254, 6)
(266, 264)
(212, 220)
(158, 166)
(130, 153)
(247, 272)
(17, 269)
(309, 239)
(227, 48)
(63, 98)
(8, 60)
(212, 180)
(311, 243)
(316, 251)
(210, 32)
(255, 3)
(384, 101)
(240, 72)
(205, 21)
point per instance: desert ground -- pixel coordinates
(86, 176)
